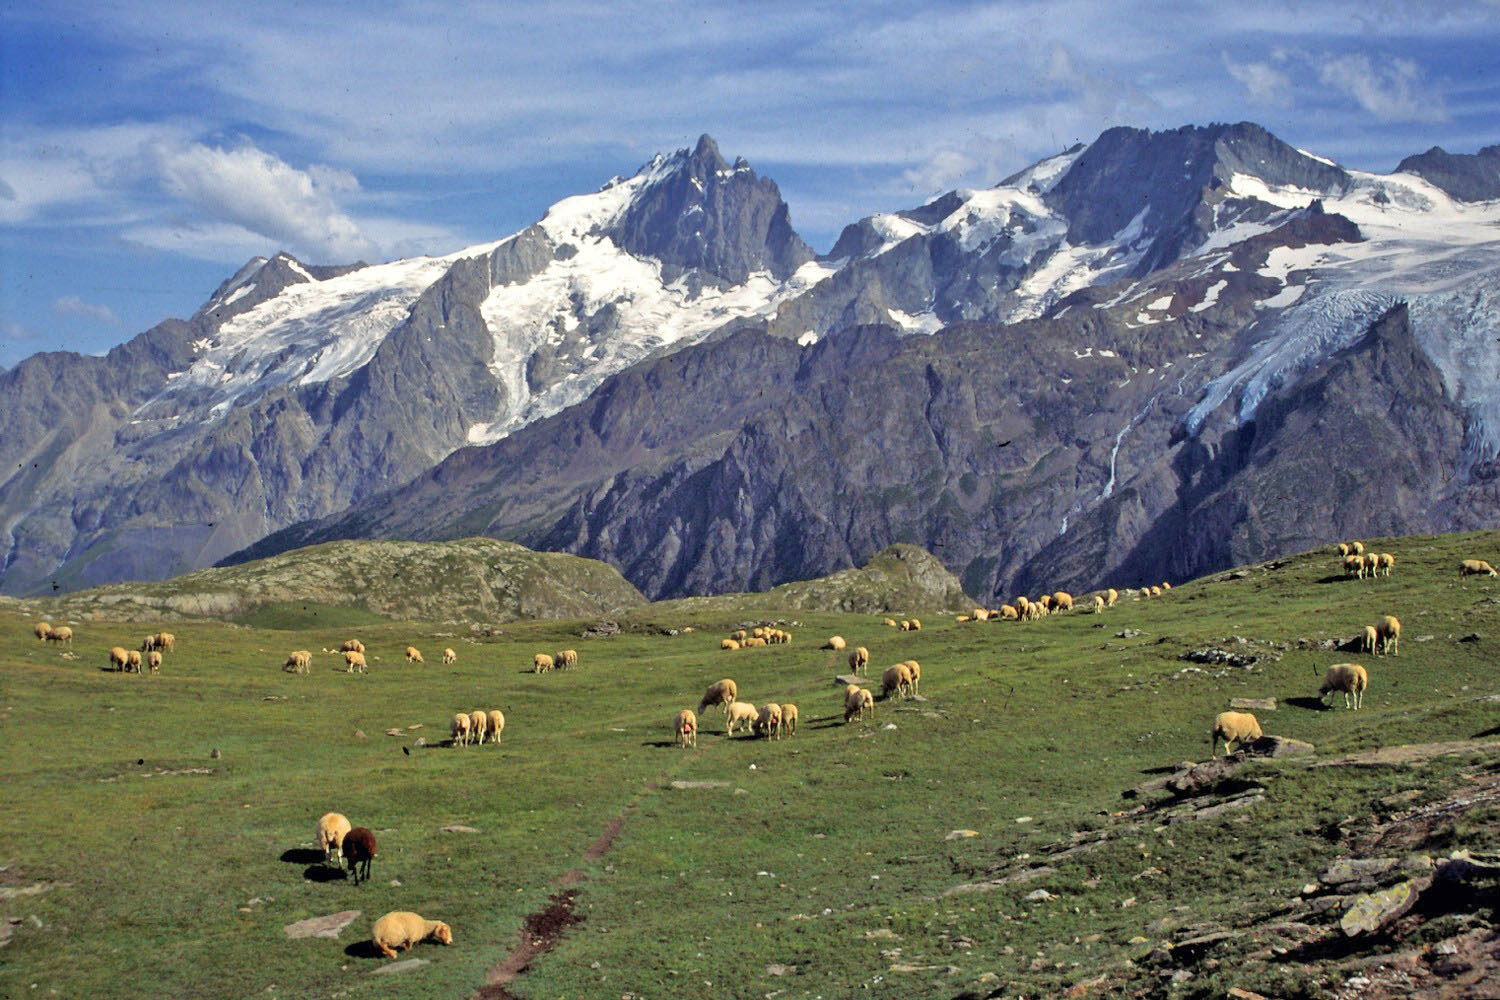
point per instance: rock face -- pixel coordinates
(1466, 177)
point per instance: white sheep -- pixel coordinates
(352, 646)
(1062, 601)
(859, 659)
(1354, 566)
(768, 721)
(915, 669)
(729, 644)
(1098, 603)
(685, 728)
(858, 702)
(834, 642)
(720, 694)
(1350, 678)
(399, 930)
(541, 663)
(353, 661)
(566, 659)
(298, 661)
(60, 634)
(1111, 597)
(1475, 567)
(479, 727)
(153, 661)
(1369, 639)
(1387, 563)
(458, 729)
(133, 661)
(497, 724)
(41, 630)
(741, 715)
(118, 658)
(897, 679)
(1388, 634)
(1233, 727)
(414, 655)
(330, 835)
(1009, 612)
(788, 719)
(449, 656)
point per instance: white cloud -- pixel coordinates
(16, 333)
(1264, 83)
(942, 170)
(1394, 90)
(72, 305)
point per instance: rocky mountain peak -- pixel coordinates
(1464, 176)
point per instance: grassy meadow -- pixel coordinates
(138, 864)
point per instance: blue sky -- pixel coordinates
(145, 153)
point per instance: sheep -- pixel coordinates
(567, 659)
(1343, 549)
(739, 635)
(1357, 548)
(449, 656)
(755, 642)
(133, 661)
(148, 644)
(1387, 563)
(729, 644)
(916, 673)
(1372, 564)
(834, 642)
(1111, 597)
(788, 720)
(458, 730)
(768, 721)
(352, 646)
(1350, 678)
(354, 661)
(479, 725)
(1046, 602)
(758, 632)
(1354, 566)
(359, 852)
(1062, 601)
(1369, 639)
(1388, 634)
(741, 715)
(685, 728)
(1165, 585)
(42, 628)
(1473, 567)
(153, 661)
(1022, 603)
(905, 625)
(117, 658)
(1155, 591)
(859, 659)
(165, 641)
(916, 624)
(1098, 603)
(1234, 727)
(298, 661)
(402, 929)
(897, 679)
(891, 622)
(1009, 612)
(857, 702)
(960, 619)
(497, 724)
(721, 694)
(541, 663)
(331, 830)
(61, 634)
(414, 655)
(980, 615)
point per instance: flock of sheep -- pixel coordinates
(355, 847)
(120, 659)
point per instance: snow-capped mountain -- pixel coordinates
(1124, 310)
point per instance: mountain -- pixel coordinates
(1122, 382)
(1273, 353)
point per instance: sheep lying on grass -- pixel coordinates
(741, 715)
(449, 656)
(858, 702)
(768, 721)
(1233, 727)
(332, 829)
(755, 642)
(891, 622)
(359, 852)
(1388, 634)
(685, 728)
(720, 694)
(402, 929)
(458, 729)
(834, 642)
(497, 724)
(1469, 567)
(1350, 678)
(788, 719)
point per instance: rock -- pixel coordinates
(1236, 993)
(777, 969)
(1198, 945)
(457, 828)
(1024, 819)
(1254, 704)
(1128, 633)
(1139, 939)
(398, 731)
(682, 785)
(421, 742)
(961, 834)
(1024, 875)
(889, 725)
(883, 934)
(1213, 654)
(1243, 801)
(405, 965)
(321, 927)
(1039, 896)
(602, 628)
(844, 680)
(1202, 776)
(1374, 910)
(359, 734)
(214, 754)
(1351, 869)
(1280, 746)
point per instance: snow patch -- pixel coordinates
(1211, 296)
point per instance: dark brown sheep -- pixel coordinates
(359, 850)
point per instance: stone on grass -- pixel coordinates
(405, 965)
(457, 828)
(1374, 910)
(321, 927)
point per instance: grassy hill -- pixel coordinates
(902, 858)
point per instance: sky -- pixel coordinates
(147, 152)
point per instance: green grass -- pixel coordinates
(825, 854)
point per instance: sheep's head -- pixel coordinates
(442, 933)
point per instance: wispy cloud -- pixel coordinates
(1394, 90)
(15, 332)
(1263, 83)
(72, 305)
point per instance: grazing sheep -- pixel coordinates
(1022, 603)
(741, 715)
(298, 661)
(755, 642)
(768, 721)
(414, 655)
(721, 694)
(153, 661)
(42, 628)
(1343, 549)
(165, 641)
(1350, 678)
(758, 632)
(685, 728)
(916, 624)
(1387, 563)
(729, 644)
(916, 674)
(354, 661)
(541, 663)
(118, 658)
(449, 656)
(1354, 566)
(980, 615)
(567, 659)
(1165, 585)
(1111, 597)
(1062, 601)
(1388, 634)
(891, 622)
(1155, 591)
(1046, 602)
(859, 659)
(458, 730)
(1473, 567)
(788, 720)
(352, 646)
(1357, 548)
(1098, 603)
(1372, 564)
(857, 703)
(479, 725)
(1369, 639)
(62, 634)
(834, 642)
(1233, 727)
(359, 852)
(148, 644)
(133, 661)
(331, 830)
(497, 724)
(739, 635)
(1007, 611)
(905, 625)
(401, 929)
(897, 679)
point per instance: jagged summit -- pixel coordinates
(1466, 177)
